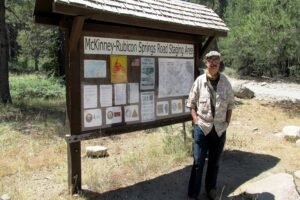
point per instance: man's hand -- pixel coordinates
(228, 116)
(194, 116)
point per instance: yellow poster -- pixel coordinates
(118, 69)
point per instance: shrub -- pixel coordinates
(35, 86)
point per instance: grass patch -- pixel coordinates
(177, 147)
(30, 86)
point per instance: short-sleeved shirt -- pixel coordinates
(199, 98)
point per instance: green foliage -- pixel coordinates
(54, 63)
(35, 86)
(34, 42)
(264, 38)
(231, 72)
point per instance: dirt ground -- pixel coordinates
(252, 152)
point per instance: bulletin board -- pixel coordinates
(132, 83)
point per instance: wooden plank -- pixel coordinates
(46, 19)
(91, 134)
(43, 6)
(74, 167)
(72, 62)
(76, 31)
(121, 31)
(198, 47)
(204, 49)
(98, 15)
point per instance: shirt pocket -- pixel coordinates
(203, 105)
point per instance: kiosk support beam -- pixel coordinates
(76, 30)
(73, 92)
(208, 42)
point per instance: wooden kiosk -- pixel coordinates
(129, 64)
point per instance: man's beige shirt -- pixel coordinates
(199, 98)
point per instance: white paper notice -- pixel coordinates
(105, 95)
(113, 115)
(120, 94)
(162, 108)
(176, 77)
(92, 118)
(147, 106)
(186, 109)
(131, 113)
(133, 93)
(90, 96)
(94, 68)
(147, 73)
(177, 106)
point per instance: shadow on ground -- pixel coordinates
(259, 196)
(237, 168)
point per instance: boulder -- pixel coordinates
(277, 186)
(291, 131)
(5, 197)
(96, 151)
(242, 92)
(297, 174)
(298, 142)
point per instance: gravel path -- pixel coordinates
(273, 91)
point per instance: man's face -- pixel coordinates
(213, 65)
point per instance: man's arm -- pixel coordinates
(228, 116)
(194, 115)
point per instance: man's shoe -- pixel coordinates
(212, 194)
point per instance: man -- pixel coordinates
(211, 101)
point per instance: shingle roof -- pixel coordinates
(168, 11)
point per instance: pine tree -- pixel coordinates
(4, 76)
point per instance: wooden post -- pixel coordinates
(74, 167)
(74, 94)
(184, 132)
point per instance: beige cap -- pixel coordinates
(212, 53)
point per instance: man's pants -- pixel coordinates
(213, 145)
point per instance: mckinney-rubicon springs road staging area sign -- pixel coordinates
(112, 46)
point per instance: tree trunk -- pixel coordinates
(61, 54)
(4, 76)
(36, 63)
(222, 8)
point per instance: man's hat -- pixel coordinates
(211, 54)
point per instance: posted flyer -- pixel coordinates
(118, 69)
(147, 106)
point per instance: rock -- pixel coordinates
(277, 186)
(242, 92)
(85, 187)
(298, 142)
(291, 131)
(297, 174)
(25, 130)
(5, 197)
(263, 84)
(255, 129)
(96, 151)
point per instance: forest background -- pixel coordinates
(264, 40)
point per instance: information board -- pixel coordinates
(125, 82)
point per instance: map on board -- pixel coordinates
(176, 77)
